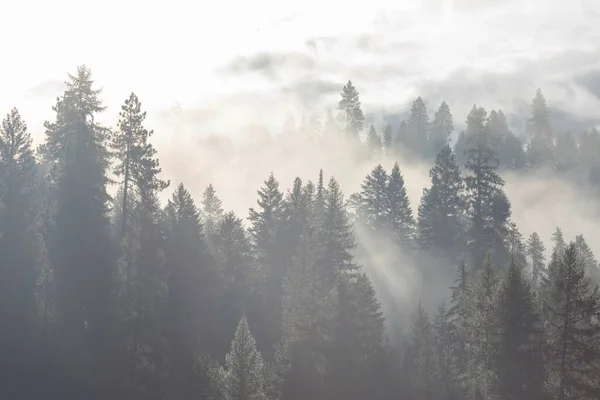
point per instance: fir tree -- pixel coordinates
(571, 307)
(244, 368)
(374, 143)
(489, 208)
(541, 147)
(516, 246)
(351, 117)
(482, 331)
(307, 318)
(415, 136)
(212, 210)
(80, 248)
(517, 359)
(20, 244)
(388, 139)
(136, 162)
(443, 333)
(239, 277)
(441, 129)
(372, 200)
(535, 251)
(441, 211)
(559, 242)
(398, 214)
(267, 238)
(421, 356)
(335, 236)
(191, 280)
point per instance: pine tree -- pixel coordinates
(398, 214)
(482, 331)
(244, 376)
(441, 129)
(587, 258)
(559, 242)
(421, 356)
(267, 238)
(191, 283)
(240, 278)
(140, 214)
(80, 248)
(517, 358)
(508, 147)
(20, 245)
(489, 208)
(458, 316)
(212, 211)
(535, 251)
(516, 246)
(388, 139)
(335, 236)
(541, 147)
(415, 136)
(571, 307)
(351, 117)
(307, 322)
(136, 163)
(374, 143)
(443, 333)
(441, 211)
(373, 200)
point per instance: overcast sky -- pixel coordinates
(227, 63)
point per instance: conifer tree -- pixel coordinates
(351, 117)
(458, 316)
(191, 282)
(571, 307)
(441, 129)
(374, 143)
(307, 323)
(446, 385)
(421, 356)
(267, 239)
(388, 139)
(516, 247)
(240, 278)
(80, 249)
(541, 148)
(587, 258)
(244, 377)
(136, 162)
(517, 359)
(441, 211)
(489, 208)
(482, 331)
(559, 242)
(212, 211)
(20, 244)
(535, 251)
(335, 236)
(398, 214)
(373, 199)
(415, 136)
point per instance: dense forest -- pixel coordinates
(109, 294)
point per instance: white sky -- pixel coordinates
(169, 51)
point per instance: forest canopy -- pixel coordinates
(107, 292)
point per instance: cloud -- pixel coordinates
(309, 91)
(270, 65)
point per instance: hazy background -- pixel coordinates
(213, 79)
